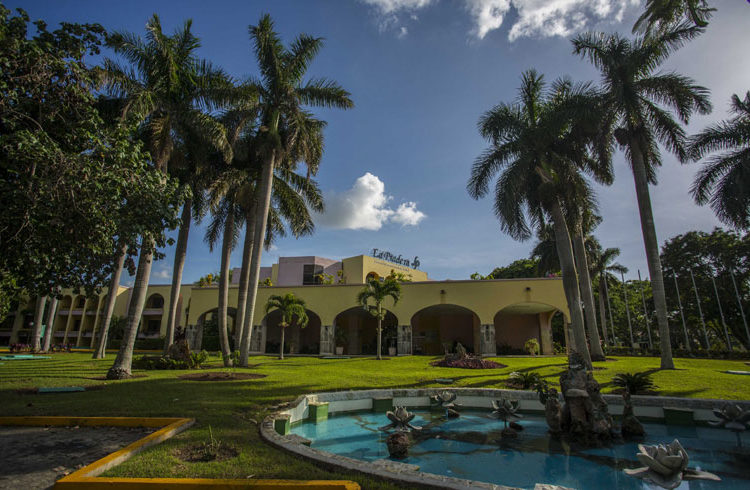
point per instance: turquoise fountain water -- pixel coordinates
(470, 447)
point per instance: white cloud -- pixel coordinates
(402, 32)
(534, 18)
(364, 207)
(407, 214)
(163, 273)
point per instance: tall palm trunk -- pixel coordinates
(226, 251)
(281, 348)
(36, 331)
(179, 264)
(50, 324)
(570, 283)
(602, 310)
(380, 333)
(263, 203)
(652, 251)
(123, 362)
(241, 322)
(114, 285)
(584, 281)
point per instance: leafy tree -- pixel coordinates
(164, 92)
(602, 267)
(58, 154)
(539, 167)
(372, 298)
(288, 135)
(632, 94)
(660, 15)
(724, 180)
(719, 254)
(517, 269)
(292, 311)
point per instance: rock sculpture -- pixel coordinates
(732, 417)
(552, 408)
(505, 410)
(585, 415)
(631, 426)
(446, 400)
(666, 466)
(398, 445)
(400, 420)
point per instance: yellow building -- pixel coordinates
(431, 316)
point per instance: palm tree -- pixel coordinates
(632, 94)
(724, 180)
(164, 92)
(281, 97)
(660, 15)
(602, 267)
(36, 331)
(545, 251)
(114, 285)
(377, 292)
(540, 172)
(224, 224)
(292, 310)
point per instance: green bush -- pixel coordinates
(197, 359)
(634, 383)
(531, 346)
(525, 379)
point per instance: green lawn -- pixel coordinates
(232, 408)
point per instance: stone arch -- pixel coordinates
(297, 340)
(372, 275)
(151, 319)
(356, 331)
(439, 327)
(515, 324)
(207, 329)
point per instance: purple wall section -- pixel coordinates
(291, 269)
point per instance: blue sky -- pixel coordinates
(421, 72)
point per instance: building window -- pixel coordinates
(310, 274)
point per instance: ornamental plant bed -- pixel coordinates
(468, 363)
(219, 376)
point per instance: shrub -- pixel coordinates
(558, 348)
(531, 346)
(634, 383)
(525, 379)
(197, 359)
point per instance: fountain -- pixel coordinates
(398, 442)
(666, 466)
(732, 417)
(631, 426)
(505, 410)
(446, 400)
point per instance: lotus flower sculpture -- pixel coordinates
(446, 400)
(400, 420)
(666, 466)
(732, 417)
(505, 410)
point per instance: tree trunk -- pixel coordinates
(261, 220)
(50, 324)
(570, 282)
(652, 251)
(36, 331)
(584, 281)
(124, 360)
(281, 349)
(114, 285)
(241, 322)
(380, 332)
(226, 251)
(179, 264)
(603, 311)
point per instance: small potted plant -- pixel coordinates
(531, 346)
(341, 338)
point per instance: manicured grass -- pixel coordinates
(232, 409)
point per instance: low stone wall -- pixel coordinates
(652, 408)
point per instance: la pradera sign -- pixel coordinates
(396, 259)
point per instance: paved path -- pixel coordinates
(36, 457)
